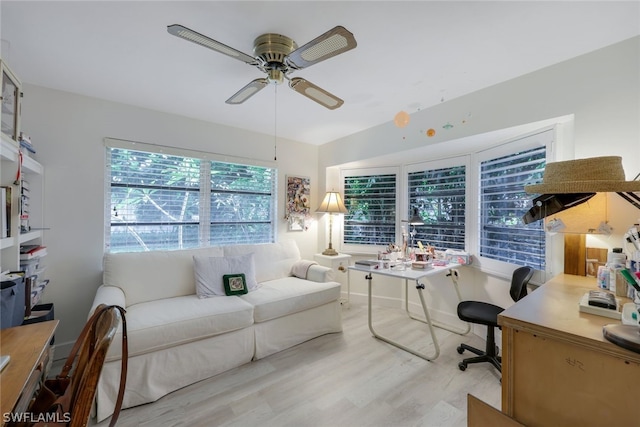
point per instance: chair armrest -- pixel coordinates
(319, 273)
(109, 295)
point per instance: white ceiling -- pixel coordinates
(410, 55)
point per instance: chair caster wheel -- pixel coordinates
(462, 366)
(460, 349)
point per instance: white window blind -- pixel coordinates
(166, 201)
(242, 204)
(503, 202)
(439, 195)
(371, 202)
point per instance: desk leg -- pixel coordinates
(434, 339)
(420, 287)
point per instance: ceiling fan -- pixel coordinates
(278, 56)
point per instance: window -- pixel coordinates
(503, 202)
(167, 201)
(371, 201)
(470, 195)
(439, 195)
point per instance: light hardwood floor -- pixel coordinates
(346, 379)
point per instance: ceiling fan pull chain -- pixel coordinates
(275, 123)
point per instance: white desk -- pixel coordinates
(417, 276)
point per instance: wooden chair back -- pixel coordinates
(86, 373)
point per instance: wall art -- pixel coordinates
(298, 202)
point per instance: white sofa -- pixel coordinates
(176, 338)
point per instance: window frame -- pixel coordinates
(340, 221)
(520, 143)
(462, 160)
(205, 188)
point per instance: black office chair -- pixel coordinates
(484, 313)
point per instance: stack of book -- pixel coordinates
(421, 265)
(28, 252)
(367, 264)
(25, 145)
(24, 207)
(5, 198)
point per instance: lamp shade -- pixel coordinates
(416, 219)
(332, 203)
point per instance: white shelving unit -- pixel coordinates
(10, 246)
(30, 170)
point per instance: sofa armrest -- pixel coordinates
(109, 295)
(319, 273)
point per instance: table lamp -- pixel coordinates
(332, 204)
(414, 220)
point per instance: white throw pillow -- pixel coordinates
(209, 272)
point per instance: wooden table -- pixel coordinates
(29, 348)
(558, 369)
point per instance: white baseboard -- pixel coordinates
(62, 350)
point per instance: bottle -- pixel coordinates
(616, 261)
(603, 277)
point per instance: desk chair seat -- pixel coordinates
(484, 313)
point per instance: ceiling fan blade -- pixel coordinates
(248, 91)
(202, 40)
(334, 42)
(315, 93)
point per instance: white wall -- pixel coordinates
(68, 132)
(601, 90)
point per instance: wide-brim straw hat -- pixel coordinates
(591, 175)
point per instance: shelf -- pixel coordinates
(29, 165)
(7, 242)
(9, 151)
(32, 235)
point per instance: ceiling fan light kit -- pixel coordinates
(277, 56)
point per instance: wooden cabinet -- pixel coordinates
(557, 368)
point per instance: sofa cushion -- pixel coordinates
(153, 275)
(169, 322)
(277, 298)
(208, 273)
(272, 260)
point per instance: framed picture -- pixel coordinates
(296, 222)
(11, 89)
(298, 202)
